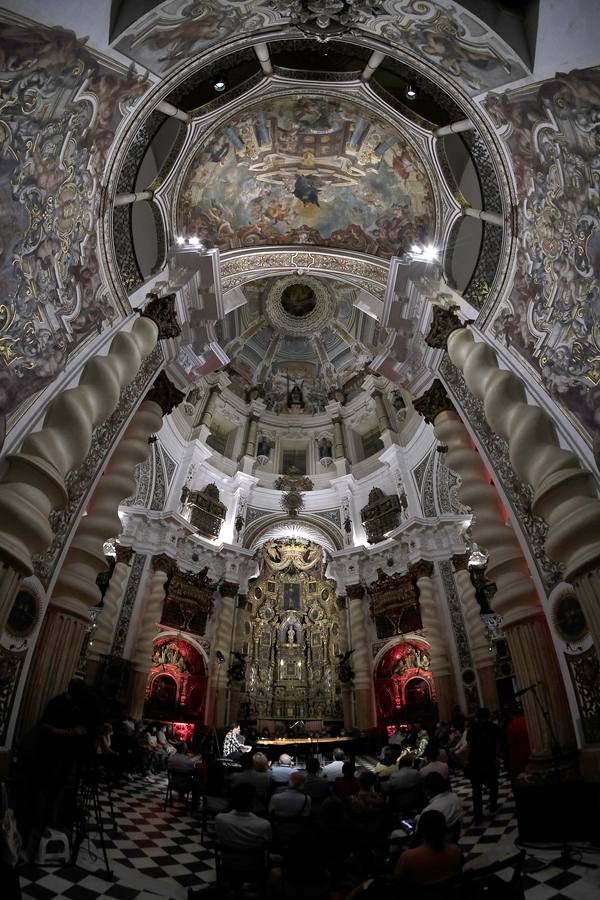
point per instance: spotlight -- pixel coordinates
(220, 657)
(410, 92)
(180, 240)
(219, 85)
(195, 241)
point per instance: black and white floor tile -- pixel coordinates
(156, 854)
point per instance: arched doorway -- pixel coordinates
(403, 687)
(176, 687)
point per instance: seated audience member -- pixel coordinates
(157, 756)
(387, 765)
(433, 860)
(210, 773)
(316, 785)
(397, 737)
(181, 763)
(182, 769)
(291, 801)
(422, 742)
(432, 762)
(441, 798)
(346, 785)
(163, 742)
(405, 778)
(241, 827)
(367, 800)
(257, 776)
(233, 745)
(334, 769)
(280, 772)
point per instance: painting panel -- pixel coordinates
(307, 171)
(552, 317)
(60, 110)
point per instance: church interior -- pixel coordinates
(299, 423)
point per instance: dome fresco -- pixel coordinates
(307, 170)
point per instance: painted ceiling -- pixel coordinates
(307, 170)
(323, 362)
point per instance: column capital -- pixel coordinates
(433, 401)
(162, 312)
(460, 561)
(229, 589)
(421, 569)
(124, 554)
(163, 563)
(164, 393)
(444, 322)
(355, 591)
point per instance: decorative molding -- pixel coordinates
(461, 640)
(164, 393)
(163, 312)
(443, 323)
(584, 669)
(133, 583)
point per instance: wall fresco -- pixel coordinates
(59, 108)
(442, 33)
(307, 171)
(552, 317)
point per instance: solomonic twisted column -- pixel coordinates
(361, 658)
(33, 481)
(76, 590)
(565, 494)
(111, 606)
(154, 597)
(441, 667)
(516, 599)
(483, 658)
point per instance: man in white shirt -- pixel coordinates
(240, 827)
(333, 769)
(440, 797)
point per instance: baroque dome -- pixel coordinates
(307, 170)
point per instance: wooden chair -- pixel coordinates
(182, 785)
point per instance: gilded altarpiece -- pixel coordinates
(294, 638)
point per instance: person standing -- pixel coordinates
(483, 740)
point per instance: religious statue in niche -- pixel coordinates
(344, 667)
(291, 635)
(237, 669)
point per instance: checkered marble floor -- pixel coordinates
(155, 853)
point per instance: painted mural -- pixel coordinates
(552, 318)
(307, 171)
(441, 32)
(176, 31)
(59, 108)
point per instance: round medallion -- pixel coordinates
(266, 613)
(568, 618)
(24, 614)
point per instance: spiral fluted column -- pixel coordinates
(565, 494)
(222, 643)
(106, 622)
(33, 480)
(483, 659)
(141, 659)
(85, 556)
(361, 661)
(441, 667)
(516, 599)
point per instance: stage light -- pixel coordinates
(180, 240)
(219, 85)
(410, 92)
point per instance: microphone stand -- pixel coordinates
(566, 857)
(297, 724)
